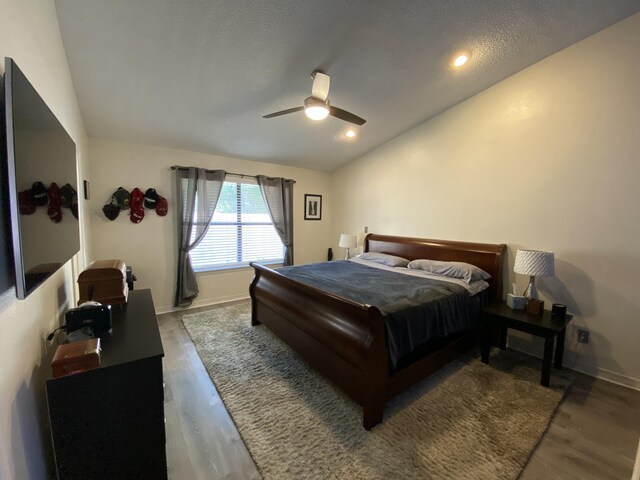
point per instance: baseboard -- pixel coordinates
(596, 372)
(607, 375)
(204, 303)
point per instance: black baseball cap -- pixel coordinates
(151, 198)
(67, 192)
(39, 192)
(122, 197)
(111, 210)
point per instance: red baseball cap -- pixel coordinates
(162, 206)
(137, 206)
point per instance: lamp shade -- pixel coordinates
(348, 241)
(534, 262)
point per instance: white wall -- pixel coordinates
(150, 246)
(30, 35)
(548, 159)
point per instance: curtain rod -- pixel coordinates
(176, 167)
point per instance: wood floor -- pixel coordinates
(593, 436)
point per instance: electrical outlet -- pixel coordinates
(366, 229)
(583, 335)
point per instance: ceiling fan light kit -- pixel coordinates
(317, 106)
(316, 109)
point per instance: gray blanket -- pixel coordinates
(415, 309)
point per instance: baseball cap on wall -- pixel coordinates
(111, 210)
(151, 198)
(137, 206)
(162, 206)
(123, 198)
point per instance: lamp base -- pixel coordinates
(531, 291)
(347, 256)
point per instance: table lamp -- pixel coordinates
(535, 264)
(348, 242)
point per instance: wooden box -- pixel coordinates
(535, 307)
(105, 281)
(76, 357)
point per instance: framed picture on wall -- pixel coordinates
(312, 207)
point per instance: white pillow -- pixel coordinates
(464, 271)
(384, 259)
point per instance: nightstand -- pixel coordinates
(498, 316)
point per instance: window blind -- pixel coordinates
(240, 232)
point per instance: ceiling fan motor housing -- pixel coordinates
(315, 102)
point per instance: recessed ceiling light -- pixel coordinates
(460, 59)
(350, 134)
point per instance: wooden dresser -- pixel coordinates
(109, 422)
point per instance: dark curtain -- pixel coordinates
(197, 193)
(278, 195)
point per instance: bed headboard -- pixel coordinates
(487, 256)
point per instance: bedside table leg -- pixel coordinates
(486, 346)
(557, 362)
(502, 339)
(485, 340)
(546, 361)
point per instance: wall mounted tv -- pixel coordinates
(42, 181)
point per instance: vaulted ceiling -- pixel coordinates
(199, 74)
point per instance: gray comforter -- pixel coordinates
(415, 309)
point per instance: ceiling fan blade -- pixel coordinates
(346, 116)
(321, 82)
(283, 112)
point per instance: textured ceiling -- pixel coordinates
(199, 74)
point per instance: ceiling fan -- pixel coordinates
(317, 106)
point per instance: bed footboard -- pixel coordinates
(342, 339)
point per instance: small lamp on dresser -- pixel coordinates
(535, 264)
(348, 241)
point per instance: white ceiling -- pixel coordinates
(199, 74)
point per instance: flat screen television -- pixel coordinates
(42, 179)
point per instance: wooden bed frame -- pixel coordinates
(345, 340)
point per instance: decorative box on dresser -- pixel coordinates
(109, 422)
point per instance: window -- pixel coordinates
(240, 232)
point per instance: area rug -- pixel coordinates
(467, 421)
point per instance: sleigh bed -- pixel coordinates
(347, 341)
